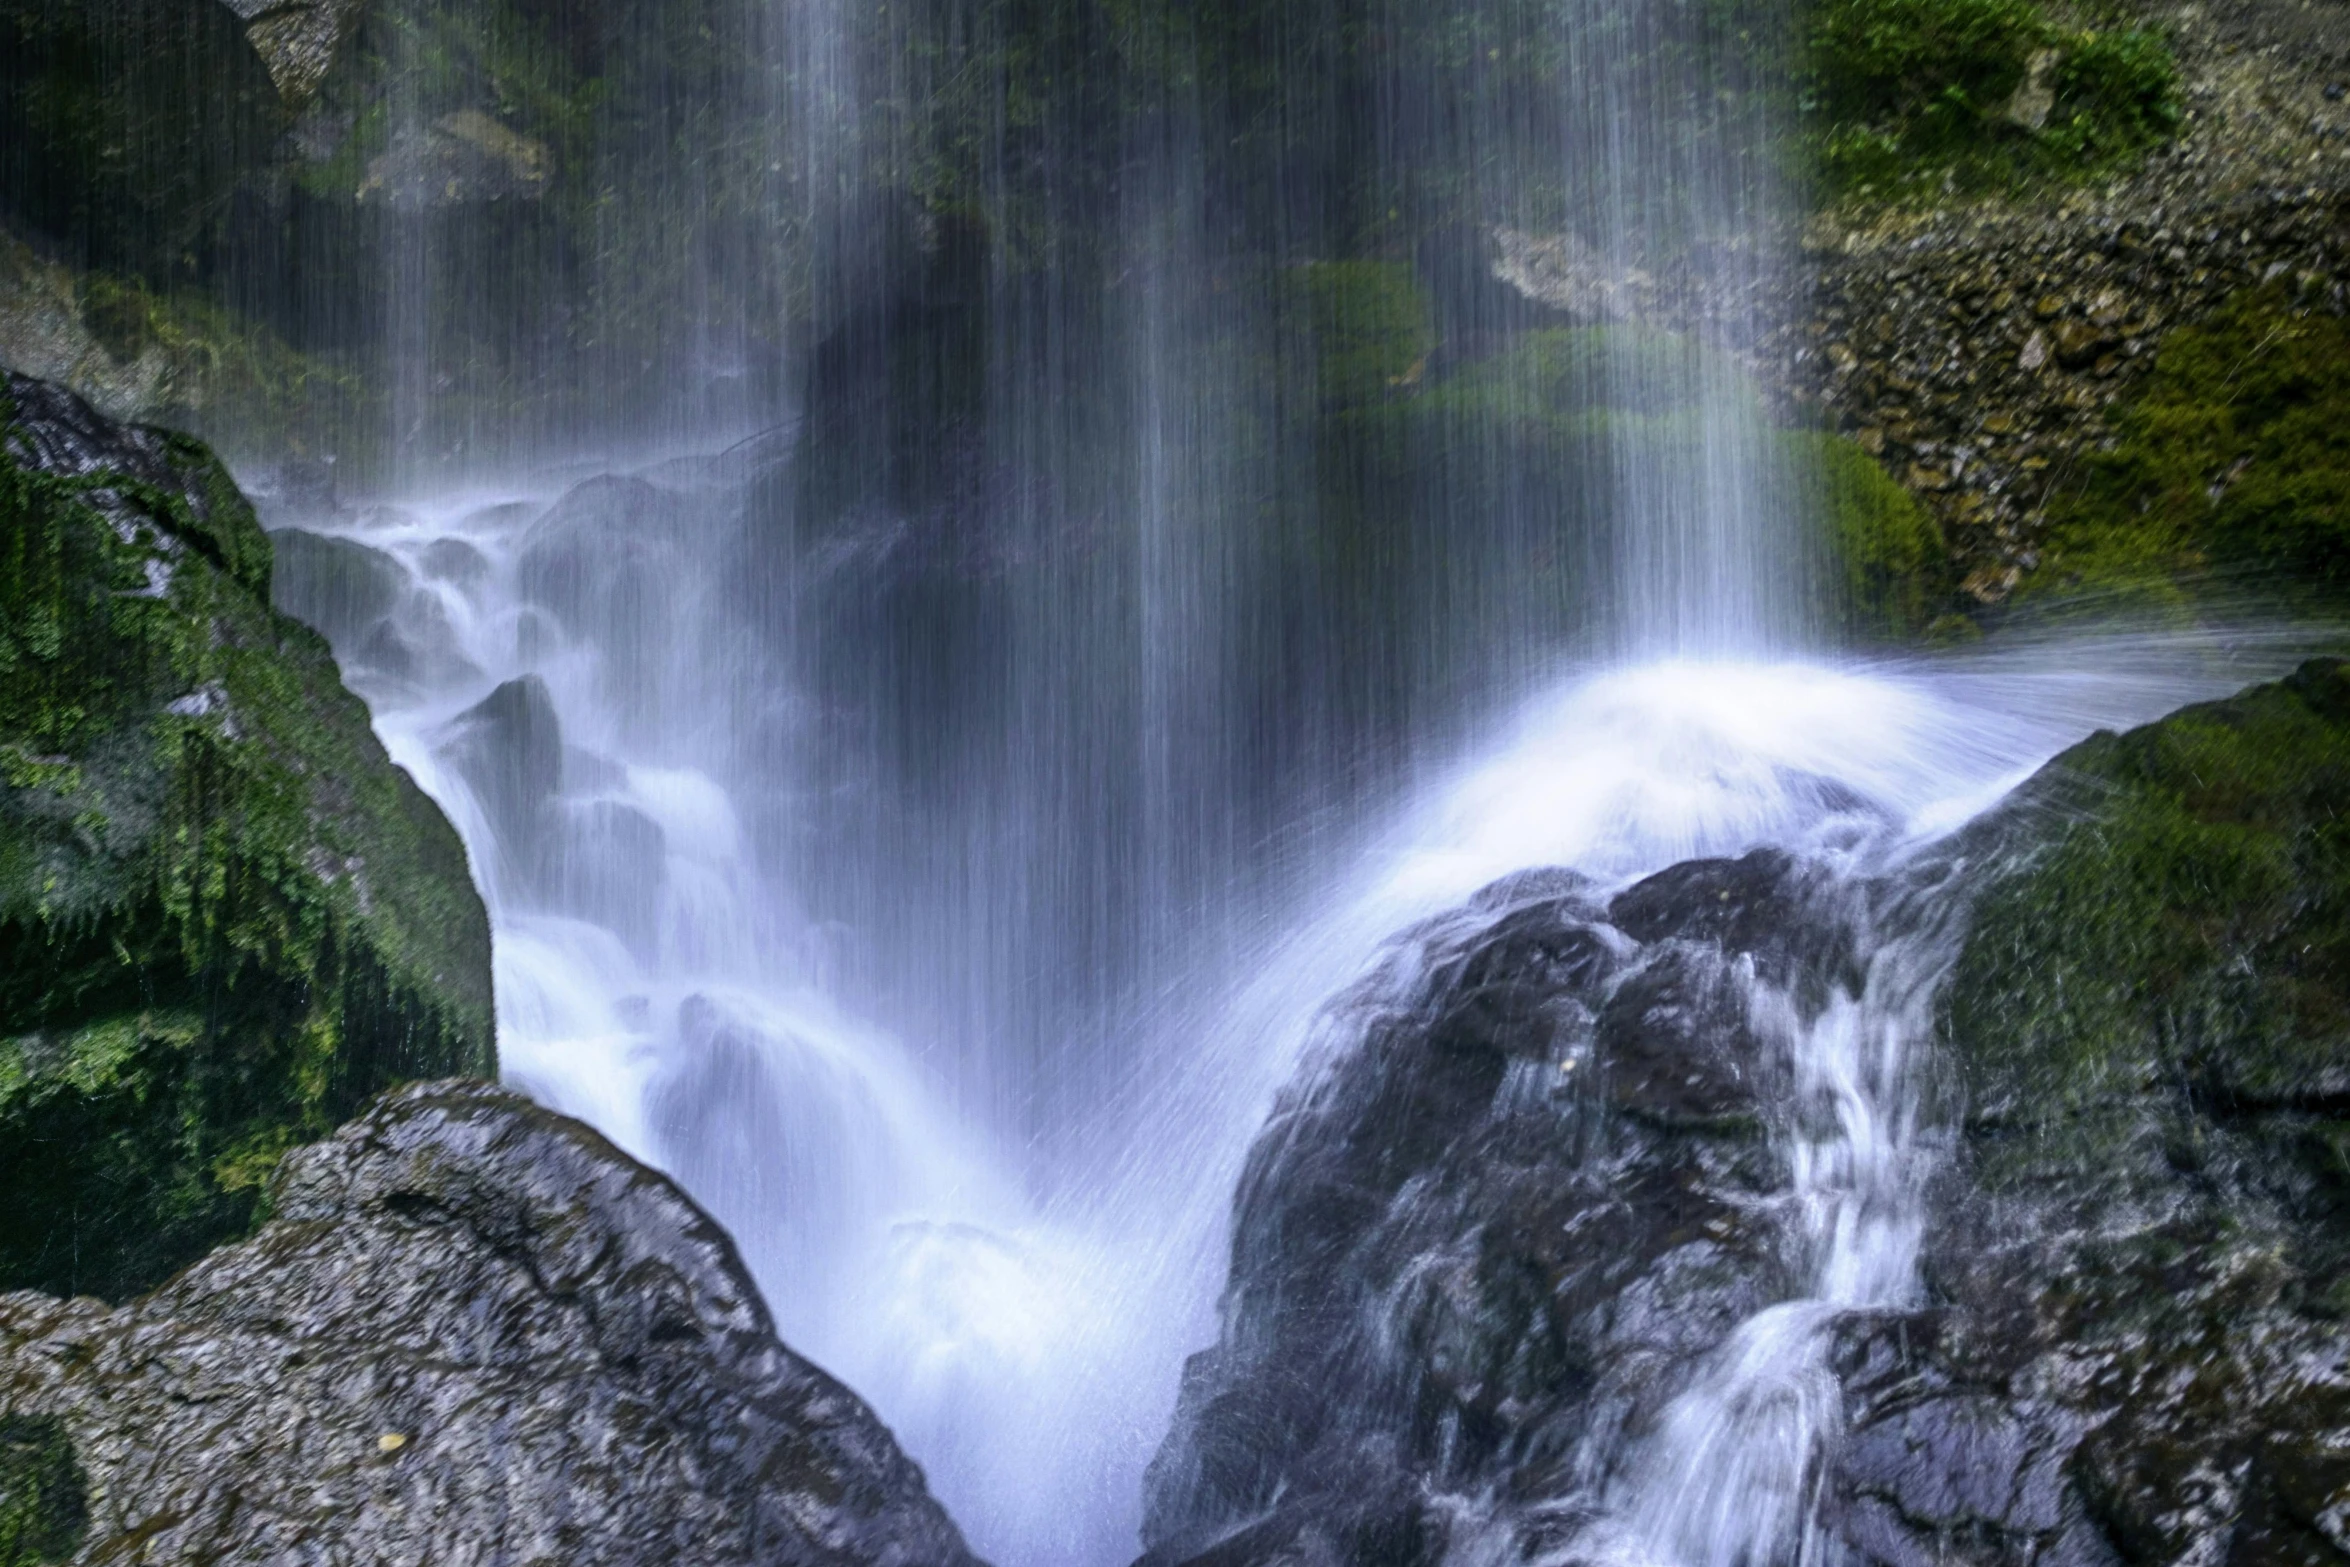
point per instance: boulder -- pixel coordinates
(1501, 1224)
(473, 1331)
(226, 919)
(1478, 1249)
(2138, 1344)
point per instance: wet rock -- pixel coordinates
(508, 747)
(341, 588)
(465, 158)
(473, 1331)
(454, 560)
(2137, 1350)
(1497, 1228)
(226, 919)
(298, 41)
(609, 867)
(1478, 1249)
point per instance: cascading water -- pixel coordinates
(551, 665)
(936, 824)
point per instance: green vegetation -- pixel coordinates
(1893, 571)
(2233, 463)
(2179, 923)
(1914, 99)
(1531, 440)
(173, 355)
(225, 918)
(1370, 325)
(44, 1502)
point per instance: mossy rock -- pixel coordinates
(1370, 324)
(2178, 922)
(226, 919)
(1537, 435)
(2231, 468)
(2148, 1024)
(1890, 578)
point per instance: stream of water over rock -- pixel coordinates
(933, 816)
(559, 662)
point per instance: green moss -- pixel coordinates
(2233, 462)
(1371, 330)
(44, 1499)
(1892, 570)
(1915, 98)
(173, 355)
(2172, 918)
(1544, 426)
(225, 917)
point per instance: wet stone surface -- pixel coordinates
(473, 1332)
(1501, 1226)
(1481, 1248)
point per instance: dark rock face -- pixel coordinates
(1500, 1228)
(1474, 1254)
(594, 857)
(2140, 1346)
(125, 124)
(474, 1331)
(226, 919)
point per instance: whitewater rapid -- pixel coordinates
(1018, 1307)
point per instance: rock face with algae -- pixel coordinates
(473, 1332)
(226, 919)
(1487, 1239)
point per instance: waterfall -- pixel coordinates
(559, 664)
(932, 773)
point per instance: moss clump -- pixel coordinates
(225, 917)
(2170, 914)
(1370, 323)
(1916, 98)
(44, 1500)
(1892, 572)
(2234, 461)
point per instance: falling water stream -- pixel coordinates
(1017, 1307)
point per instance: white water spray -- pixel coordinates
(1020, 1316)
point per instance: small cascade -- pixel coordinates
(1731, 1474)
(1657, 979)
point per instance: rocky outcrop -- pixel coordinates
(473, 1331)
(1986, 362)
(1985, 351)
(1478, 1251)
(298, 40)
(226, 919)
(2140, 1293)
(1503, 1226)
(459, 159)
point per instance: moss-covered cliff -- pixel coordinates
(225, 917)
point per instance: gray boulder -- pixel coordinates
(474, 1332)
